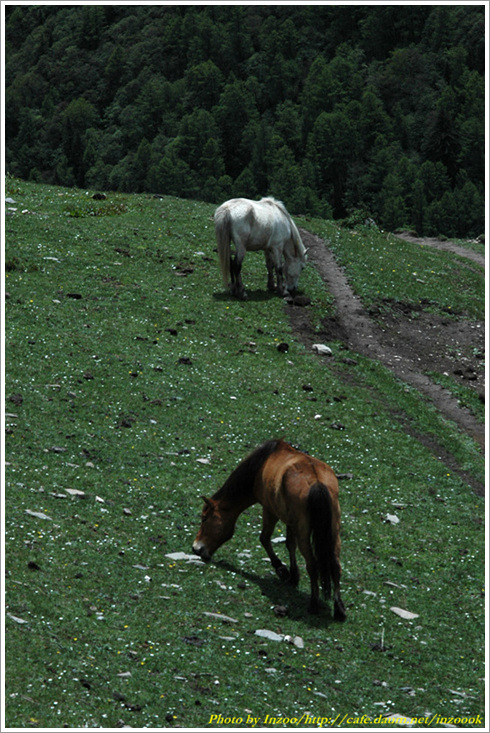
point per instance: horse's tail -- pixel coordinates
(323, 540)
(222, 227)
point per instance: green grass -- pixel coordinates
(381, 267)
(132, 364)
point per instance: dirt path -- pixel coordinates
(408, 346)
(446, 246)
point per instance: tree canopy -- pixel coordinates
(333, 109)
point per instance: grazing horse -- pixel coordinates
(299, 490)
(255, 225)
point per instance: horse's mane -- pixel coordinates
(275, 202)
(299, 247)
(242, 479)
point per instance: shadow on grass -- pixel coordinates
(281, 593)
(256, 296)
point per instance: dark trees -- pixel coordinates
(332, 108)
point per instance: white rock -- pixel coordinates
(17, 619)
(39, 515)
(408, 615)
(392, 519)
(221, 617)
(179, 556)
(271, 635)
(322, 349)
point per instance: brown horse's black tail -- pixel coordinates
(323, 543)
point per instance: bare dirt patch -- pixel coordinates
(412, 342)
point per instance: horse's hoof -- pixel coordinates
(294, 577)
(283, 573)
(339, 613)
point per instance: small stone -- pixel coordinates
(75, 492)
(322, 349)
(17, 619)
(271, 635)
(392, 519)
(408, 615)
(280, 610)
(221, 617)
(298, 641)
(38, 515)
(178, 556)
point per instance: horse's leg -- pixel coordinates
(311, 567)
(234, 273)
(269, 521)
(275, 254)
(281, 284)
(270, 271)
(293, 565)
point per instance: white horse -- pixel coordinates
(255, 225)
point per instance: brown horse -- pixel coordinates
(299, 490)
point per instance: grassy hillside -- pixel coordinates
(134, 385)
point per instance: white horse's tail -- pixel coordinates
(222, 228)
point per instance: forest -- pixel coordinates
(346, 112)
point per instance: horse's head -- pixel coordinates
(217, 527)
(295, 256)
(294, 268)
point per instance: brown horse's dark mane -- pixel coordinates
(240, 483)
